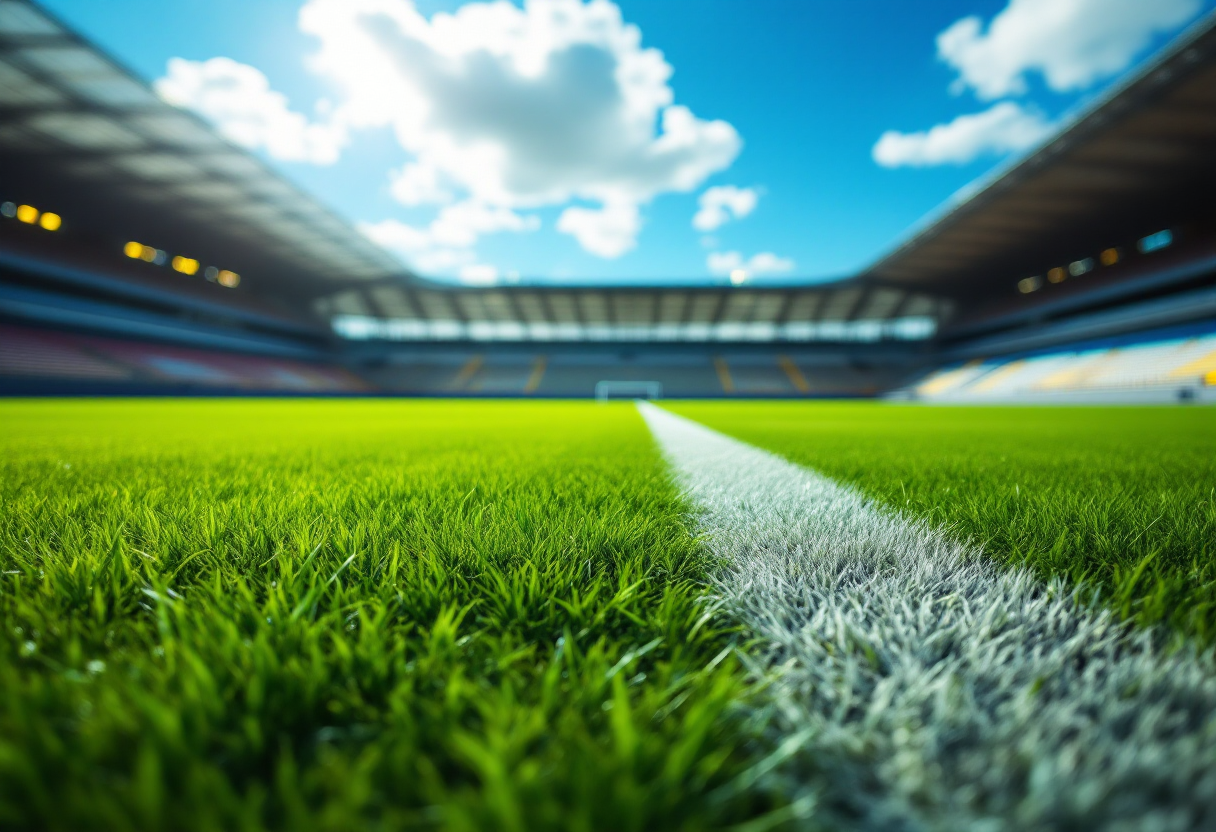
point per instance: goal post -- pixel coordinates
(650, 390)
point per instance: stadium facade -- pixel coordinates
(142, 253)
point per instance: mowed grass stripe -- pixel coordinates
(1122, 499)
(932, 688)
(357, 615)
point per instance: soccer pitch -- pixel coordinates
(476, 615)
(1123, 498)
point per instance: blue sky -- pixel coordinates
(550, 142)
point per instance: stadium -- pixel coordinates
(300, 535)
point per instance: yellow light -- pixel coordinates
(27, 214)
(185, 265)
(133, 250)
(1057, 275)
(229, 279)
(51, 222)
(147, 254)
(1109, 257)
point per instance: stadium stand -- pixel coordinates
(140, 251)
(29, 357)
(29, 353)
(1182, 368)
(575, 374)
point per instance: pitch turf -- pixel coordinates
(1123, 498)
(375, 615)
(357, 615)
(930, 687)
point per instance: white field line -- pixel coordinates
(940, 691)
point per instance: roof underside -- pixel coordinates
(83, 136)
(841, 312)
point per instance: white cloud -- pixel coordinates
(460, 225)
(397, 236)
(606, 232)
(445, 245)
(479, 274)
(732, 263)
(1072, 43)
(519, 107)
(237, 98)
(552, 103)
(1002, 128)
(442, 260)
(417, 184)
(718, 205)
(768, 263)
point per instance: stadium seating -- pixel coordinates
(37, 354)
(1173, 368)
(32, 353)
(569, 374)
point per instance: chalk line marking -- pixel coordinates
(940, 690)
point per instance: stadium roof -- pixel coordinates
(849, 311)
(95, 142)
(69, 115)
(1140, 159)
(97, 145)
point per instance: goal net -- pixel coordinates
(605, 390)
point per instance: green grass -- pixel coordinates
(388, 615)
(1123, 498)
(357, 615)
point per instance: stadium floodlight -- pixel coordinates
(50, 221)
(1080, 267)
(649, 390)
(1155, 242)
(27, 214)
(185, 265)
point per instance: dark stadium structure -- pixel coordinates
(142, 253)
